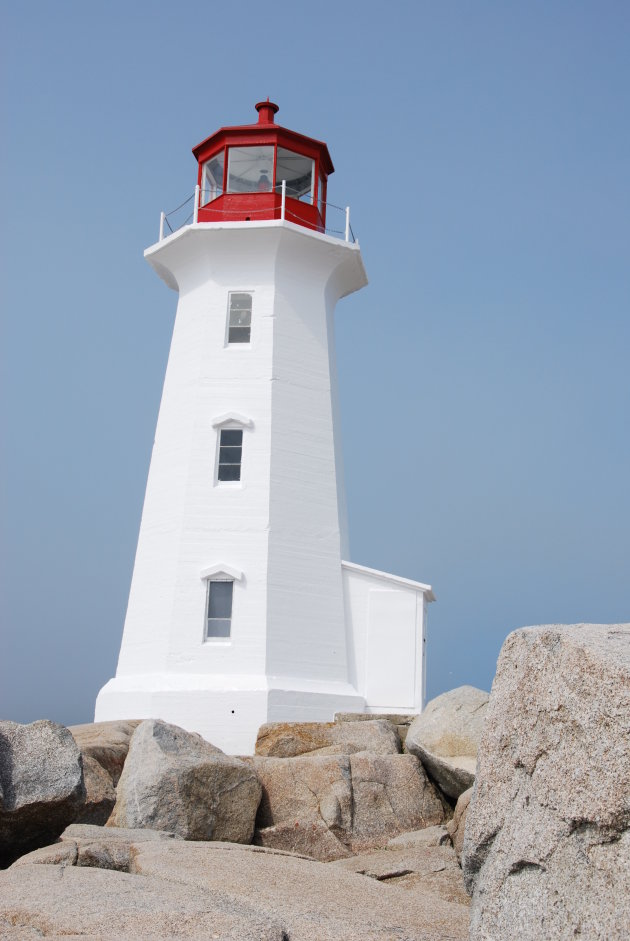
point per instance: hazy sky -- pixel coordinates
(484, 149)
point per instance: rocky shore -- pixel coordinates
(487, 818)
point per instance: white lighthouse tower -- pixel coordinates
(243, 607)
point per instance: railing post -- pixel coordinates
(162, 217)
(284, 199)
(196, 206)
(347, 223)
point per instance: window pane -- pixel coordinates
(231, 437)
(220, 599)
(250, 169)
(229, 455)
(212, 179)
(320, 198)
(239, 334)
(240, 318)
(229, 472)
(298, 171)
(218, 627)
(240, 302)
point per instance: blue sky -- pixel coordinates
(484, 150)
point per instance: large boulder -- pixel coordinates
(445, 737)
(329, 807)
(175, 780)
(104, 747)
(41, 785)
(288, 739)
(391, 794)
(547, 841)
(106, 742)
(217, 890)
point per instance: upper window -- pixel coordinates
(240, 318)
(299, 173)
(230, 454)
(212, 179)
(250, 169)
(219, 608)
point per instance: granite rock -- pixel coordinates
(547, 841)
(106, 742)
(96, 904)
(89, 833)
(100, 793)
(174, 780)
(93, 846)
(41, 780)
(331, 806)
(437, 835)
(289, 739)
(427, 867)
(445, 737)
(224, 891)
(306, 837)
(400, 720)
(457, 824)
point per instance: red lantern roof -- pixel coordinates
(251, 172)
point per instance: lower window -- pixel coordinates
(230, 454)
(219, 608)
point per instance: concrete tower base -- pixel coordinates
(226, 710)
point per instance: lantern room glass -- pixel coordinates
(212, 179)
(299, 173)
(250, 169)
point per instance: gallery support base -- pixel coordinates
(227, 710)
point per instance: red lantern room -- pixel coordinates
(262, 171)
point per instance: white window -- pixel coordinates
(219, 608)
(239, 318)
(230, 454)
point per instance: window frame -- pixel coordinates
(218, 578)
(229, 426)
(237, 344)
(229, 421)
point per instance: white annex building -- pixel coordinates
(243, 607)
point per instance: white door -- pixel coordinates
(391, 649)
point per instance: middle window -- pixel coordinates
(230, 454)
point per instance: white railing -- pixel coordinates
(338, 226)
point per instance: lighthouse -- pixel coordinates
(244, 607)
